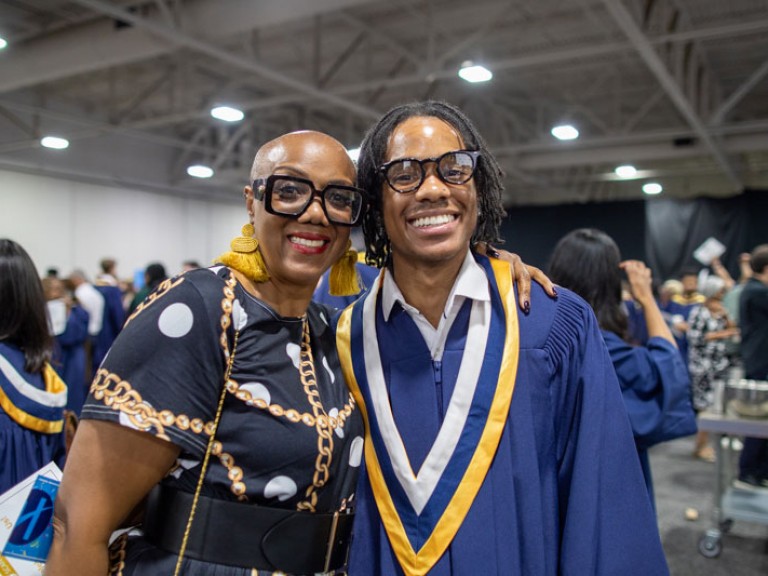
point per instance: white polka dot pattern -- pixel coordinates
(176, 320)
(356, 452)
(293, 351)
(239, 315)
(280, 487)
(334, 413)
(328, 369)
(184, 464)
(258, 392)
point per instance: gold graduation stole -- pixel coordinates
(423, 512)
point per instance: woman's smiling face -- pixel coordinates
(298, 251)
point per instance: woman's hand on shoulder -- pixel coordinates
(522, 274)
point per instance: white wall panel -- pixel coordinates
(67, 225)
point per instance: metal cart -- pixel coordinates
(731, 503)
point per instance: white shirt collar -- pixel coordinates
(470, 283)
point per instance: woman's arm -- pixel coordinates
(109, 471)
(721, 334)
(639, 276)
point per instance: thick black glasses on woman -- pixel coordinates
(290, 196)
(406, 174)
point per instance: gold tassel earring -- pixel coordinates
(344, 279)
(245, 256)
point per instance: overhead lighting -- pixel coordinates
(354, 153)
(652, 188)
(3, 43)
(474, 73)
(565, 132)
(625, 171)
(200, 171)
(227, 114)
(54, 142)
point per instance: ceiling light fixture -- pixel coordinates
(474, 73)
(565, 132)
(3, 43)
(625, 171)
(652, 188)
(200, 171)
(54, 142)
(227, 114)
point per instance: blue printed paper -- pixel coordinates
(32, 532)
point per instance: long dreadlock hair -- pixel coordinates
(373, 150)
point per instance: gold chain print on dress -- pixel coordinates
(291, 414)
(159, 292)
(322, 423)
(119, 395)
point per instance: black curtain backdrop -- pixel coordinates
(532, 232)
(662, 232)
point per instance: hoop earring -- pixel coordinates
(245, 256)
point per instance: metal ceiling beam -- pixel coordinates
(95, 128)
(97, 45)
(193, 43)
(740, 92)
(604, 152)
(646, 51)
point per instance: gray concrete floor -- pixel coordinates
(683, 482)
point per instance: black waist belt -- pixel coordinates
(245, 535)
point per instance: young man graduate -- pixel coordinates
(496, 443)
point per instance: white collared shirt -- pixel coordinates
(93, 303)
(470, 283)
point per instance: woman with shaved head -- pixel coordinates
(225, 389)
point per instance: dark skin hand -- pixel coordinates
(522, 273)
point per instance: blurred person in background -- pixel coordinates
(69, 327)
(32, 396)
(653, 379)
(753, 319)
(709, 331)
(114, 312)
(154, 275)
(108, 275)
(689, 279)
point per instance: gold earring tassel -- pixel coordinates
(245, 256)
(344, 279)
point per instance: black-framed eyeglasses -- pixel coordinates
(290, 196)
(407, 174)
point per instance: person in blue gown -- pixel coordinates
(69, 323)
(496, 443)
(653, 378)
(32, 396)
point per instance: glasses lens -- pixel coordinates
(404, 175)
(290, 196)
(342, 204)
(456, 167)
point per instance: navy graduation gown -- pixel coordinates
(564, 493)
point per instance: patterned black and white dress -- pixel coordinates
(282, 442)
(708, 360)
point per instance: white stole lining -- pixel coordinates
(419, 488)
(54, 400)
